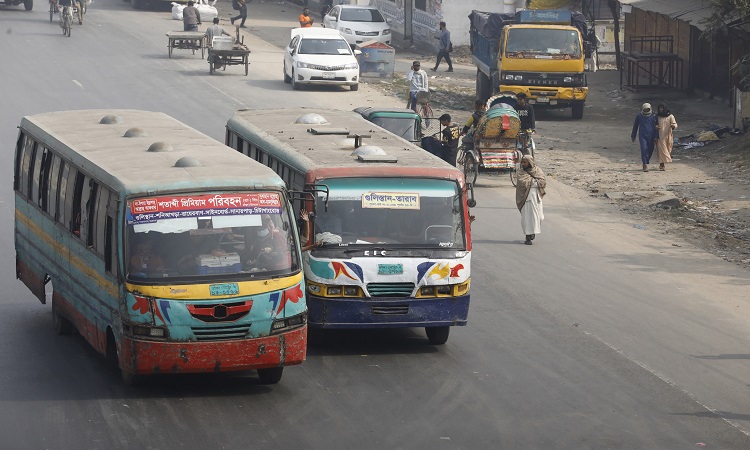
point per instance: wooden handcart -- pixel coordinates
(187, 40)
(220, 59)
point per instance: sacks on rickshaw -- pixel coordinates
(500, 120)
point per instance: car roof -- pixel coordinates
(316, 32)
(357, 7)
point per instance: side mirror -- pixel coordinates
(357, 52)
(388, 20)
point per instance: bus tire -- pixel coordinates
(130, 379)
(437, 335)
(28, 4)
(136, 4)
(271, 375)
(61, 325)
(577, 110)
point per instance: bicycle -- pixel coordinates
(524, 146)
(66, 20)
(423, 106)
(52, 9)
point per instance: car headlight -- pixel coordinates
(568, 79)
(351, 66)
(302, 65)
(387, 31)
(346, 30)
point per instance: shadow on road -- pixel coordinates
(371, 342)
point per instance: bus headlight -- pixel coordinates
(325, 290)
(444, 290)
(151, 332)
(334, 290)
(288, 323)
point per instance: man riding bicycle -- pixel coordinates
(62, 4)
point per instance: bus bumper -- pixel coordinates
(150, 357)
(386, 312)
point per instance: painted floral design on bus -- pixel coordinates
(438, 271)
(331, 270)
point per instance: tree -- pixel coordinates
(723, 12)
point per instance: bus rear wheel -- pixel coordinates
(437, 335)
(270, 376)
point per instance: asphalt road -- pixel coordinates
(600, 335)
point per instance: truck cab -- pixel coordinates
(540, 53)
(404, 123)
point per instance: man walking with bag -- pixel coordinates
(445, 48)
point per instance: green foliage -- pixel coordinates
(723, 12)
(742, 68)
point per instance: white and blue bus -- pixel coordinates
(390, 244)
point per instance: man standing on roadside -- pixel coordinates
(305, 21)
(525, 112)
(191, 18)
(445, 44)
(417, 79)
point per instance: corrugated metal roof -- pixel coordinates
(691, 11)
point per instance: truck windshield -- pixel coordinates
(406, 127)
(221, 235)
(544, 41)
(397, 212)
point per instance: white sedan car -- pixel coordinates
(320, 56)
(358, 24)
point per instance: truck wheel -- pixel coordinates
(484, 89)
(578, 110)
(28, 4)
(136, 4)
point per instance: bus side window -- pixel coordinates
(27, 165)
(54, 187)
(100, 216)
(110, 236)
(20, 147)
(36, 166)
(44, 180)
(73, 200)
(63, 206)
(88, 201)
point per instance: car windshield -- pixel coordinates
(543, 41)
(406, 127)
(209, 236)
(324, 47)
(395, 212)
(361, 15)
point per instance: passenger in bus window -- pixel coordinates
(269, 250)
(145, 262)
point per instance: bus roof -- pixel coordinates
(138, 151)
(297, 146)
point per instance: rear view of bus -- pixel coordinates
(389, 222)
(165, 249)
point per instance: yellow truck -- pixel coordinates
(540, 53)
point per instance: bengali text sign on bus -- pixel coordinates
(390, 200)
(149, 210)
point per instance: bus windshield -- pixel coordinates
(543, 41)
(218, 235)
(397, 212)
(405, 127)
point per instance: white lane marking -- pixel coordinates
(78, 84)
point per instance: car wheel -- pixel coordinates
(287, 78)
(354, 87)
(295, 85)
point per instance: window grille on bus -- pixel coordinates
(221, 333)
(390, 289)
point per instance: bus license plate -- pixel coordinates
(224, 289)
(390, 269)
(542, 99)
(329, 75)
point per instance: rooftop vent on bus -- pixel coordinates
(373, 154)
(111, 119)
(311, 118)
(187, 162)
(160, 147)
(135, 132)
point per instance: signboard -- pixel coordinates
(390, 200)
(153, 209)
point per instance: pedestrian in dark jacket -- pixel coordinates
(645, 127)
(445, 45)
(191, 18)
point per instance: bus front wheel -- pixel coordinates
(437, 335)
(270, 376)
(62, 326)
